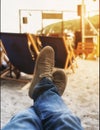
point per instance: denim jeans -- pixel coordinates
(48, 113)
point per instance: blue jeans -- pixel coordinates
(48, 113)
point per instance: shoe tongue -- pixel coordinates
(46, 75)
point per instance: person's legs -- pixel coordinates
(48, 104)
(24, 120)
(52, 110)
(28, 119)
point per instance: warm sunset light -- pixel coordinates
(49, 64)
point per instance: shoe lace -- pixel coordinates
(48, 68)
(58, 83)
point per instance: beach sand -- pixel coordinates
(81, 95)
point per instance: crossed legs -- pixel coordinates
(49, 111)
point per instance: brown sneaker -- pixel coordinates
(43, 67)
(60, 80)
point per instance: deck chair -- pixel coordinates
(79, 50)
(18, 51)
(63, 57)
(89, 50)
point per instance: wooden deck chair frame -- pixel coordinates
(72, 58)
(72, 54)
(5, 71)
(45, 40)
(89, 48)
(85, 49)
(79, 49)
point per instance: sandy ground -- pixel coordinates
(81, 95)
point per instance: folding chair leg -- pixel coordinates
(69, 61)
(71, 65)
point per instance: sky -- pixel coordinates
(59, 4)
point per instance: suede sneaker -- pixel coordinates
(43, 67)
(60, 80)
